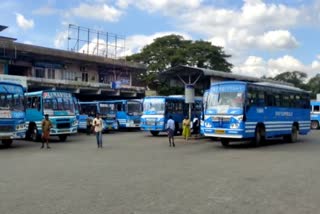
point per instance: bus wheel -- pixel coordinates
(34, 135)
(314, 124)
(7, 142)
(293, 137)
(154, 133)
(259, 137)
(225, 142)
(63, 138)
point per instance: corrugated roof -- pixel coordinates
(183, 70)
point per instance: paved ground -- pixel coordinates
(136, 173)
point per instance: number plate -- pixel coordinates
(218, 131)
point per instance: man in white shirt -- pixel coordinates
(170, 130)
(97, 123)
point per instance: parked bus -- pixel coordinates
(90, 109)
(315, 114)
(128, 113)
(12, 112)
(60, 107)
(157, 109)
(241, 110)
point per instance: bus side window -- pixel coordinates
(261, 98)
(316, 108)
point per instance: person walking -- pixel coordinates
(46, 126)
(170, 130)
(97, 123)
(186, 128)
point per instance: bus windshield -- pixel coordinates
(59, 104)
(11, 102)
(154, 106)
(134, 108)
(89, 109)
(107, 108)
(224, 102)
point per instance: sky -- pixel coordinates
(263, 37)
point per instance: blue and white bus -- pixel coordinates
(241, 110)
(315, 114)
(60, 107)
(128, 113)
(12, 112)
(157, 109)
(105, 110)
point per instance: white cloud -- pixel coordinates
(97, 11)
(257, 67)
(255, 25)
(165, 6)
(136, 42)
(24, 23)
(61, 39)
(279, 39)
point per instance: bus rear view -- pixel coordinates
(256, 111)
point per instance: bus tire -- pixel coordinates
(314, 124)
(225, 142)
(7, 142)
(293, 137)
(154, 133)
(259, 136)
(63, 138)
(34, 134)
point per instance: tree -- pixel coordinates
(297, 78)
(314, 85)
(173, 50)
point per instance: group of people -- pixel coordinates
(96, 125)
(186, 129)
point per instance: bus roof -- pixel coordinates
(266, 84)
(274, 85)
(13, 84)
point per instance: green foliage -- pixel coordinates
(314, 85)
(173, 50)
(297, 78)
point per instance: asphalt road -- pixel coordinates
(138, 174)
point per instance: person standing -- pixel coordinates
(186, 128)
(89, 125)
(196, 126)
(170, 130)
(97, 123)
(46, 126)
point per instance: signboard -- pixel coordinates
(189, 93)
(116, 85)
(14, 79)
(56, 94)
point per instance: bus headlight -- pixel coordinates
(234, 125)
(207, 125)
(20, 126)
(75, 123)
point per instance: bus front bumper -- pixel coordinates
(13, 135)
(224, 133)
(69, 131)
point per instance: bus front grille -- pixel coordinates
(63, 125)
(6, 128)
